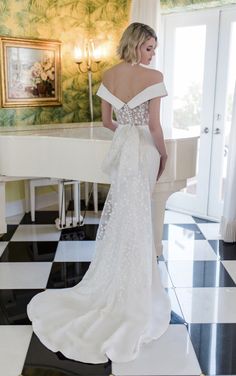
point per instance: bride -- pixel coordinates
(120, 303)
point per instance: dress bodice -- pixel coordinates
(137, 116)
(135, 112)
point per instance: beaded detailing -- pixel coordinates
(135, 115)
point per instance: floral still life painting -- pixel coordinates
(30, 74)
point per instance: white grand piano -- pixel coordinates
(75, 152)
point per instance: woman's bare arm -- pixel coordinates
(107, 120)
(156, 132)
(155, 126)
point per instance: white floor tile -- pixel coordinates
(230, 266)
(174, 302)
(15, 219)
(75, 251)
(24, 275)
(14, 342)
(183, 273)
(171, 354)
(174, 217)
(184, 249)
(165, 278)
(2, 247)
(208, 305)
(36, 233)
(210, 230)
(181, 233)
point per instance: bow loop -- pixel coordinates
(123, 155)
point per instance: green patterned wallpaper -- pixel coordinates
(69, 21)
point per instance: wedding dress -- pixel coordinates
(120, 303)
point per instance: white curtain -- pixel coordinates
(228, 219)
(149, 13)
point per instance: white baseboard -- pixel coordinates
(42, 201)
(192, 213)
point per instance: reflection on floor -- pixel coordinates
(198, 271)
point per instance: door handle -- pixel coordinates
(205, 130)
(216, 131)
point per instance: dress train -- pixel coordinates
(120, 303)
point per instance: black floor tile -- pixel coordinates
(66, 274)
(42, 362)
(172, 231)
(226, 251)
(29, 251)
(85, 232)
(41, 218)
(177, 319)
(201, 220)
(215, 347)
(13, 305)
(206, 274)
(10, 232)
(214, 344)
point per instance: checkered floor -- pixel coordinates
(198, 271)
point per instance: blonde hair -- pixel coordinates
(133, 37)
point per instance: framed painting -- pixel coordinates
(30, 72)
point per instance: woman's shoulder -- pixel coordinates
(110, 72)
(146, 75)
(154, 75)
(149, 76)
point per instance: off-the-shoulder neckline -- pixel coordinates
(141, 92)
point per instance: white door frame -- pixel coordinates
(215, 204)
(194, 204)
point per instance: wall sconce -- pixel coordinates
(88, 60)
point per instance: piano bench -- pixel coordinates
(33, 183)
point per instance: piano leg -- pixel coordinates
(160, 195)
(3, 225)
(61, 203)
(158, 212)
(27, 195)
(76, 191)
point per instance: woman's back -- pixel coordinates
(134, 86)
(125, 80)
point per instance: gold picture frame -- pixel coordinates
(30, 72)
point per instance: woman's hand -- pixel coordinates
(162, 165)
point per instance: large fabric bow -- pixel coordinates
(123, 155)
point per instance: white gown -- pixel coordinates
(120, 303)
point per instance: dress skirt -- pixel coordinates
(120, 303)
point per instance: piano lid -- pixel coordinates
(76, 151)
(88, 131)
(83, 130)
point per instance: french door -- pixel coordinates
(199, 64)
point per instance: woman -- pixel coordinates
(120, 303)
